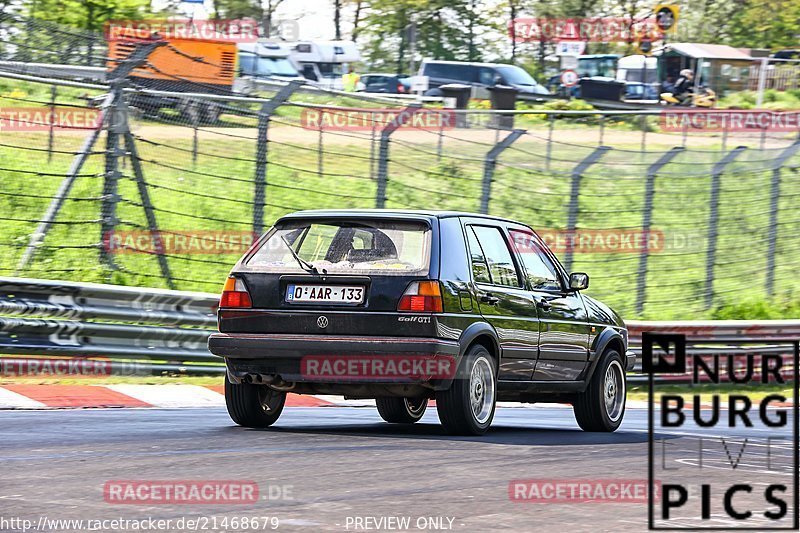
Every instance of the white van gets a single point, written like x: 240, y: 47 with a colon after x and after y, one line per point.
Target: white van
x: 263, y: 61
x: 324, y: 62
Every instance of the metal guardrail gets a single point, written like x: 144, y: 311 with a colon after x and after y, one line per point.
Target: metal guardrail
x: 139, y: 330
x: 162, y: 329
x: 48, y: 70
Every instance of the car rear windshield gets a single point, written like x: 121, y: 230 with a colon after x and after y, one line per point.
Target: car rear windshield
x: 346, y: 247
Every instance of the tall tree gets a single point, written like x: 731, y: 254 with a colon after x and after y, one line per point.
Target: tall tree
x: 262, y: 11
x: 337, y: 19
x: 359, y: 6
x: 89, y: 15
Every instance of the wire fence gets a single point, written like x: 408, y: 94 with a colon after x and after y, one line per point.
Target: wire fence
x: 129, y: 184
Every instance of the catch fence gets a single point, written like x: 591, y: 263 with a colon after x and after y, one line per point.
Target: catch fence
x: 155, y: 188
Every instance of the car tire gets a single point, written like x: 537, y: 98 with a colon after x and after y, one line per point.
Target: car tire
x: 253, y: 406
x: 401, y: 410
x: 601, y: 406
x: 467, y: 407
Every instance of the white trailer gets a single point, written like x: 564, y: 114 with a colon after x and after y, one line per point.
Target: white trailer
x: 263, y: 61
x: 324, y: 62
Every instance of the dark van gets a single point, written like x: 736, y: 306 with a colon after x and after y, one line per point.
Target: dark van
x: 481, y: 76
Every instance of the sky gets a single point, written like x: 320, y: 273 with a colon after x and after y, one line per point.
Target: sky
x: 314, y: 18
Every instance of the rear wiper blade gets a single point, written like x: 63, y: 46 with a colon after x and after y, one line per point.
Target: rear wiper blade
x: 305, y: 265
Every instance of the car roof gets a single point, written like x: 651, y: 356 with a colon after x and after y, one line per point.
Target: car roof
x: 468, y: 63
x: 392, y: 213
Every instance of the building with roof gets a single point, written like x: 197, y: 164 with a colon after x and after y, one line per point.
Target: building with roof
x: 722, y: 68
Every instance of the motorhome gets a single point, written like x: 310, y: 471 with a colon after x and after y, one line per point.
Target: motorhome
x: 263, y: 61
x: 266, y: 59
x: 324, y: 62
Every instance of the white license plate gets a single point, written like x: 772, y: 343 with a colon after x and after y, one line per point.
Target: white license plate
x: 349, y: 294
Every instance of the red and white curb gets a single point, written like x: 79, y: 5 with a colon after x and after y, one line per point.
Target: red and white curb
x: 162, y: 396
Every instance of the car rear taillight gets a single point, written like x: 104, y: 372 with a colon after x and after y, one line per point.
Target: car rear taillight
x: 234, y: 294
x: 401, y: 88
x: 421, y: 297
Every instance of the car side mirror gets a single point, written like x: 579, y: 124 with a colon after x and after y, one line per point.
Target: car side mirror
x: 578, y: 281
x: 497, y: 80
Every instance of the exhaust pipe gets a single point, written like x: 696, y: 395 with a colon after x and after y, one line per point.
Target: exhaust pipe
x: 258, y: 379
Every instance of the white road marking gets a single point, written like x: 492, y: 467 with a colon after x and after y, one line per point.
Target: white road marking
x: 170, y: 396
x: 12, y: 400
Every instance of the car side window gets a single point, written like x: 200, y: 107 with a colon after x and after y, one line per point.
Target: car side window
x: 539, y: 270
x: 486, y: 76
x: 498, y: 256
x: 480, y: 269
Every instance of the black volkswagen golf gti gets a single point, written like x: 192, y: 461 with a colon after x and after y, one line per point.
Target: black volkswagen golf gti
x: 407, y: 306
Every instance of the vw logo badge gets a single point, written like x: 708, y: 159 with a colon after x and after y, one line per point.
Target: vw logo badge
x: 322, y: 322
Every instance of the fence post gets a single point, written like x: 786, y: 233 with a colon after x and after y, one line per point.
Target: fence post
x: 775, y: 192
x: 574, y: 197
x: 115, y: 128
x: 602, y: 130
x: 116, y: 124
x: 320, y: 152
x: 372, y: 149
x: 383, y: 153
x: 134, y: 60
x: 194, y: 112
x: 37, y: 237
x: 260, y: 178
x: 51, y: 132
x: 439, y: 142
x: 649, y: 192
x: 489, y: 165
x: 713, y: 220
x: 549, y: 150
x: 644, y: 125
x: 147, y: 204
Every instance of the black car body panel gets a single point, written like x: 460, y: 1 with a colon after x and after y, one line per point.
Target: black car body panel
x: 546, y: 339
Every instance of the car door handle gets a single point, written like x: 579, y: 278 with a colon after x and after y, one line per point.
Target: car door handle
x: 490, y: 299
x: 544, y: 304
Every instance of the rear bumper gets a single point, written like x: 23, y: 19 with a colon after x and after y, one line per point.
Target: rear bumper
x: 341, y: 359
x: 631, y: 360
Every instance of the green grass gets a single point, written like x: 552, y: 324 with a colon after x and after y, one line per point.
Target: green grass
x: 214, y: 193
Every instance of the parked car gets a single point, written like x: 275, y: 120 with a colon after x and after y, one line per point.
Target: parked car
x: 481, y: 76
x: 481, y: 297
x: 384, y: 83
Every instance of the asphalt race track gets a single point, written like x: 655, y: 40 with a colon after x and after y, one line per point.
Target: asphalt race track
x: 323, y: 469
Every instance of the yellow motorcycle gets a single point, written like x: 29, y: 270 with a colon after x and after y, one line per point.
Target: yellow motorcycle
x: 704, y: 97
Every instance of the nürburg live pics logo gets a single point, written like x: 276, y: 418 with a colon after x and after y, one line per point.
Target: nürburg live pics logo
x: 723, y: 432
